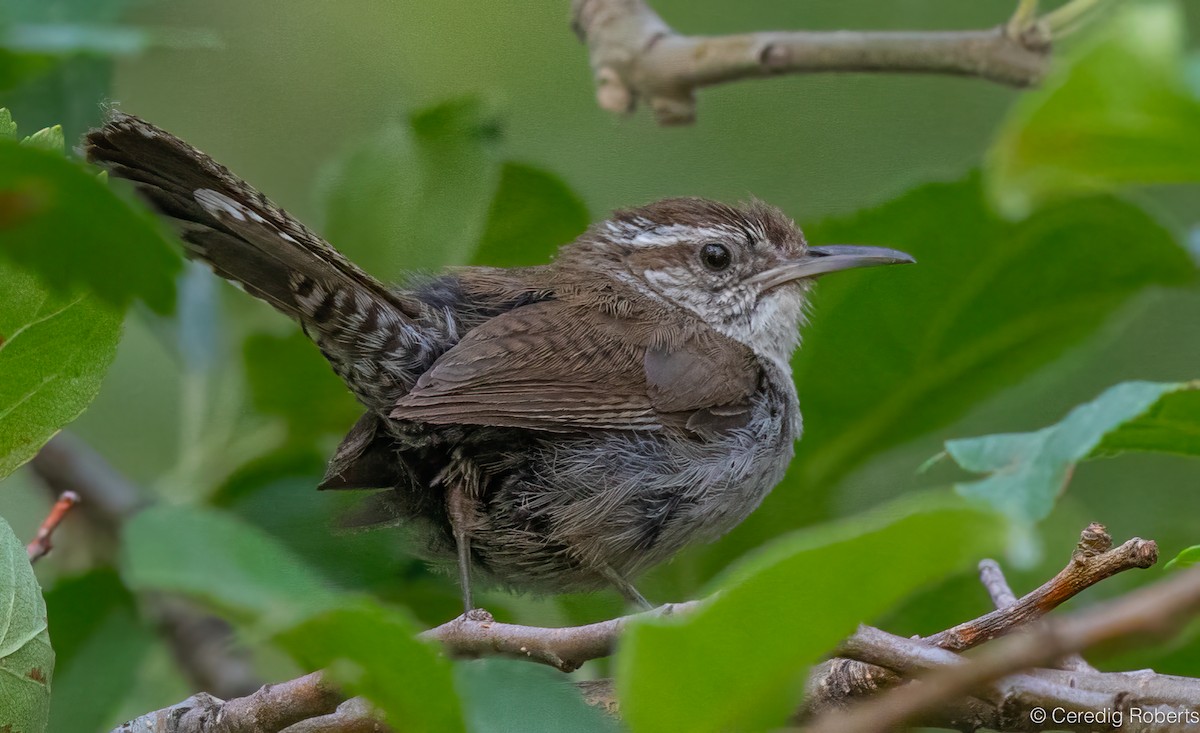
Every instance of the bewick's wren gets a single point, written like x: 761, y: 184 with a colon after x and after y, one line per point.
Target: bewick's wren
x: 555, y: 428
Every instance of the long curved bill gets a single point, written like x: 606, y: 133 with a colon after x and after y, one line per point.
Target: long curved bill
x: 831, y: 258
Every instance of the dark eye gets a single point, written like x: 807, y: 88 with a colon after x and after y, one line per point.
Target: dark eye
x: 715, y: 256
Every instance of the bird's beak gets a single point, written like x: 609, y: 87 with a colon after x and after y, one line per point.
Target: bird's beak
x: 830, y: 258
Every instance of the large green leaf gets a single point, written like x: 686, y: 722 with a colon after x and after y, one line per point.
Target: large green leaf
x: 532, y: 213
x: 61, y: 221
x: 503, y: 695
x: 373, y: 652
x: 212, y: 556
x: 54, y: 351
x: 739, y: 662
x: 1117, y: 112
x: 1030, y: 470
x: 892, y: 354
x: 413, y: 196
x: 26, y: 659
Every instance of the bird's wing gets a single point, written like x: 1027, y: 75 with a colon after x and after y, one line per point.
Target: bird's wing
x: 561, y: 367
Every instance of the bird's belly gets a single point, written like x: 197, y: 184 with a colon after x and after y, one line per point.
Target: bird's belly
x: 630, y: 500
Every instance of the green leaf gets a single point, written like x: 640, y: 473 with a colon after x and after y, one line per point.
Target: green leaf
x: 26, y: 659
x: 59, y: 220
x: 739, y: 662
x: 532, y: 213
x: 1118, y: 112
x: 502, y: 695
x: 212, y: 556
x: 54, y: 351
x: 895, y: 353
x: 413, y: 196
x: 1185, y: 559
x: 1029, y: 471
x: 288, y: 377
x: 373, y: 651
x: 47, y: 138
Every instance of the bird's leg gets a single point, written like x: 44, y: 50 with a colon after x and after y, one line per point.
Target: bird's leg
x: 459, y: 510
x: 624, y: 587
x: 464, y: 484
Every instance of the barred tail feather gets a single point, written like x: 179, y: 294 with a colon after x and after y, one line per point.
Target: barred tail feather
x: 246, y: 239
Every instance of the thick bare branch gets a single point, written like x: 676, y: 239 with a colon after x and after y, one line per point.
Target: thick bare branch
x: 272, y: 708
x: 636, y: 56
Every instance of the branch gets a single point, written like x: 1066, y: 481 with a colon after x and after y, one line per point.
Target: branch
x: 635, y: 55
x: 272, y: 708
x: 1093, y: 560
x: 40, y: 546
x: 1157, y: 610
x: 476, y: 634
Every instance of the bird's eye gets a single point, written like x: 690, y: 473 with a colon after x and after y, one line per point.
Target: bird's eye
x: 715, y: 256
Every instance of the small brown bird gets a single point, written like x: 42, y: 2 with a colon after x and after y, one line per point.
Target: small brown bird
x: 554, y: 428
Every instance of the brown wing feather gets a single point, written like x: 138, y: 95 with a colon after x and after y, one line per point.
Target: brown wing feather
x: 560, y: 367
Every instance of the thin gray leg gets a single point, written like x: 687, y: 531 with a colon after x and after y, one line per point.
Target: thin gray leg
x: 625, y: 588
x: 458, y: 510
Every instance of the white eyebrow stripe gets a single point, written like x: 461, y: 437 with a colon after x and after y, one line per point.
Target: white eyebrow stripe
x: 669, y: 234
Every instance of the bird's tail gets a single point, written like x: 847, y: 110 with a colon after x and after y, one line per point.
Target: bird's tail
x: 248, y: 240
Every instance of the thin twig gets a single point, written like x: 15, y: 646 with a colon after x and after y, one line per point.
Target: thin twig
x: 1094, y: 560
x: 997, y: 587
x: 635, y: 55
x: 40, y: 545
x: 476, y: 634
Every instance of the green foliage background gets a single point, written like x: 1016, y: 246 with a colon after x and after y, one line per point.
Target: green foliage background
x: 1057, y: 231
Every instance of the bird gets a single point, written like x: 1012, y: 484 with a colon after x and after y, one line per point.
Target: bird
x: 551, y: 428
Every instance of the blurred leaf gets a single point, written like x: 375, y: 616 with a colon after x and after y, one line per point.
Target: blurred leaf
x: 413, y: 196
x: 504, y: 695
x: 532, y: 213
x: 1171, y: 425
x: 47, y: 138
x: 277, y: 493
x: 373, y: 652
x: 54, y: 351
x: 58, y: 219
x: 892, y: 354
x: 99, y: 646
x: 26, y: 659
x: 1185, y: 559
x: 1118, y: 112
x: 61, y: 39
x: 739, y: 663
x: 288, y: 377
x: 211, y: 556
x: 1030, y: 470
x: 90, y: 11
